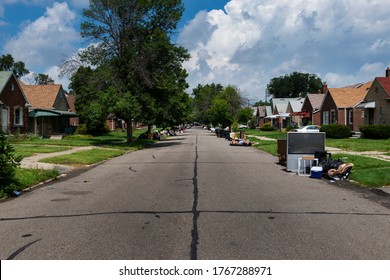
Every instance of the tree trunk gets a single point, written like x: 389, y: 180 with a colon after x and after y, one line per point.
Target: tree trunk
x: 129, y: 125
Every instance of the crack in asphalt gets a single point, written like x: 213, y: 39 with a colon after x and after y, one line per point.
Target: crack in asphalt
x: 195, y: 212
x: 20, y: 250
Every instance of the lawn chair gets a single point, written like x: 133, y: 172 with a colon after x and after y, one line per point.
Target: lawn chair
x: 341, y: 173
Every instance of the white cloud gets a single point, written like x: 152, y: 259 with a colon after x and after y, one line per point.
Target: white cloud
x: 47, y: 40
x: 252, y: 41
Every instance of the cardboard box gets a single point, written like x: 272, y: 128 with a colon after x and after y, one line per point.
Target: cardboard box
x: 316, y: 172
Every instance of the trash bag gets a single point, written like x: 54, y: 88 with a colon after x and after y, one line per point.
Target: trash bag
x: 330, y: 163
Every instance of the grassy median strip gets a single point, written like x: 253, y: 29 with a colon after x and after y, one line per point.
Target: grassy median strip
x: 367, y: 171
x: 84, y: 157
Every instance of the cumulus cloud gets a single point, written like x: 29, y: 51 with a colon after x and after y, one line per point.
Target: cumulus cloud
x: 47, y: 40
x: 250, y: 42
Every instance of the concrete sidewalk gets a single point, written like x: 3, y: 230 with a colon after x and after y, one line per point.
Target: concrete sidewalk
x: 33, y: 161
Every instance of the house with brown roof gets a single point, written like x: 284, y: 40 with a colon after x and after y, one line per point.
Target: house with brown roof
x: 13, y: 104
x: 311, y: 108
x: 376, y: 104
x: 49, y: 112
x: 73, y: 121
x: 340, y: 106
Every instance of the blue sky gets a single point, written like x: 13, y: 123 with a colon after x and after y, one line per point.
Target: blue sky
x: 238, y: 42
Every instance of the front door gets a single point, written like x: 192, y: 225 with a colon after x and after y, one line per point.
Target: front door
x: 4, y: 120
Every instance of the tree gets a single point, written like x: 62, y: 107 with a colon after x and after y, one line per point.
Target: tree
x: 203, y: 96
x: 294, y: 85
x: 7, y: 63
x: 133, y: 45
x: 43, y: 79
x: 234, y: 98
x: 219, y: 113
x: 8, y: 164
x: 262, y: 103
x: 216, y: 104
x: 244, y: 115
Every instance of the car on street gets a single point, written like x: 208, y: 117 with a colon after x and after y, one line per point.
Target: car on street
x: 308, y: 128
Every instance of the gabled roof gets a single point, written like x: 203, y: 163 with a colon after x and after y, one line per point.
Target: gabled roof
x: 263, y: 111
x: 385, y: 83
x: 349, y: 97
x: 315, y: 100
x: 71, y: 101
x: 296, y: 105
x: 4, y: 77
x: 41, y: 96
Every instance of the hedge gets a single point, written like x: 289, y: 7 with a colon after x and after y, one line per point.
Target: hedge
x: 375, y: 131
x: 336, y: 131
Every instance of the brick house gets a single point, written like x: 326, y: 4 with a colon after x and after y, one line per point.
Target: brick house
x: 261, y: 113
x: 294, y: 109
x: 376, y: 105
x: 340, y: 106
x: 49, y: 112
x: 13, y: 104
x: 311, y: 108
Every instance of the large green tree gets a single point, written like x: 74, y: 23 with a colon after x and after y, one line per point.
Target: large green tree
x: 7, y: 63
x: 132, y: 45
x: 296, y: 84
x: 216, y: 104
x: 203, y: 97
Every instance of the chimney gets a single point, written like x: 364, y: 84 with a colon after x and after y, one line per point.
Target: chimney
x: 388, y: 72
x: 324, y: 88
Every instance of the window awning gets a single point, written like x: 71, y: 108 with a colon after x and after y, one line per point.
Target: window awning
x: 281, y: 115
x: 50, y: 113
x: 367, y: 105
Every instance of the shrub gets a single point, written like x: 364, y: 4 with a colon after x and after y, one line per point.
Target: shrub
x: 267, y: 127
x: 375, y: 131
x: 82, y: 129
x: 289, y: 128
x: 336, y: 131
x: 8, y: 164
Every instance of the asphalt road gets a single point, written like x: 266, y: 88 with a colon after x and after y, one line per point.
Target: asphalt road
x: 194, y: 197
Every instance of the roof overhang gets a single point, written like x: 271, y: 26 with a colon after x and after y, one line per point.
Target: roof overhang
x: 367, y: 105
x: 35, y: 113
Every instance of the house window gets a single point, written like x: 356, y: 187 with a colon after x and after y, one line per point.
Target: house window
x: 332, y: 117
x: 325, y: 117
x: 381, y: 111
x: 18, y: 113
x: 350, y: 116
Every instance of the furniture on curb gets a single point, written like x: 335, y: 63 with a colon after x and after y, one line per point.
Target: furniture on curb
x: 302, y: 161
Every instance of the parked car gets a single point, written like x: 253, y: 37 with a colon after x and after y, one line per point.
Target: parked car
x: 242, y: 126
x: 308, y: 128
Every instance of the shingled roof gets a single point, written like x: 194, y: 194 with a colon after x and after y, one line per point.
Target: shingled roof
x: 41, y: 96
x: 315, y: 100
x: 349, y: 97
x: 385, y: 83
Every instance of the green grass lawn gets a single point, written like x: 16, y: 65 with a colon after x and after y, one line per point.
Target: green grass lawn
x: 110, y: 139
x: 30, y: 150
x: 84, y: 157
x: 270, y: 134
x: 359, y: 144
x: 264, y: 145
x: 28, y: 177
x: 367, y: 171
